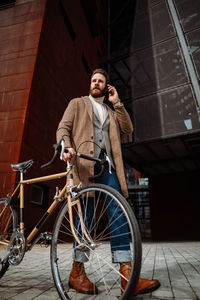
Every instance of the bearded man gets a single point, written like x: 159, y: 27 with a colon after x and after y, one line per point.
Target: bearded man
x: 89, y: 122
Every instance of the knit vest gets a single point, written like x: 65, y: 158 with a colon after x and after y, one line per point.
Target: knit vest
x: 101, y: 134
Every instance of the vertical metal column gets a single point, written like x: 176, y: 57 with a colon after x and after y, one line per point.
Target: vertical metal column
x: 109, y: 37
x: 184, y: 47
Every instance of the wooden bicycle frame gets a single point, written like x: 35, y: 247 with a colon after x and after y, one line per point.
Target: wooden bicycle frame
x: 65, y: 191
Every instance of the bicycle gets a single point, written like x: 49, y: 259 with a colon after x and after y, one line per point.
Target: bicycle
x: 72, y: 232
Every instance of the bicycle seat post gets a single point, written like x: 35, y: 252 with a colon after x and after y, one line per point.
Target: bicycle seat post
x: 21, y: 201
x: 21, y: 175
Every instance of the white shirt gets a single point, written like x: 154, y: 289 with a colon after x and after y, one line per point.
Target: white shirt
x: 98, y: 102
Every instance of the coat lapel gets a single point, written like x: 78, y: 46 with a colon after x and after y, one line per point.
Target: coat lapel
x: 110, y: 115
x: 88, y: 106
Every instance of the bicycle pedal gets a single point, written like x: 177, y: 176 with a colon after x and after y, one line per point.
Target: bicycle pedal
x: 47, y: 238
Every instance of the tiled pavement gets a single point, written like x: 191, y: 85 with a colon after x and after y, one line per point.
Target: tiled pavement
x: 176, y: 265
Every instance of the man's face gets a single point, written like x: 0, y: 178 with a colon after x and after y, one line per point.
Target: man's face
x: 98, y: 85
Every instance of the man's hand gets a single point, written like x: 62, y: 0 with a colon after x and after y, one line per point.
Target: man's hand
x: 113, y: 95
x: 70, y: 156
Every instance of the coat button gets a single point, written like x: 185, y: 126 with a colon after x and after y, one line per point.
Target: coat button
x: 100, y: 141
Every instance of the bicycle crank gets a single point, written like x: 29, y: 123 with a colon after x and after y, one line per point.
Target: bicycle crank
x: 16, y: 248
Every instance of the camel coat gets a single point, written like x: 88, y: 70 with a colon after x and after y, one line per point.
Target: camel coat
x: 77, y: 130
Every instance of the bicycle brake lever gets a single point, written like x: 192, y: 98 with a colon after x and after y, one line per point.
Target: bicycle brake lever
x: 109, y: 164
x: 63, y: 149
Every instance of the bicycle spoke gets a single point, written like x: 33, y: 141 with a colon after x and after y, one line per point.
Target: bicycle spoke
x: 110, y: 226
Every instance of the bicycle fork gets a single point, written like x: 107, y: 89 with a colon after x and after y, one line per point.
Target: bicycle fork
x: 71, y: 204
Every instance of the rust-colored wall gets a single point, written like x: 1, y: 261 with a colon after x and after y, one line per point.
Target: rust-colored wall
x: 20, y: 28
x: 46, y: 53
x: 59, y: 76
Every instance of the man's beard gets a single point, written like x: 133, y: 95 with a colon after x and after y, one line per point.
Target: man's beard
x: 97, y: 93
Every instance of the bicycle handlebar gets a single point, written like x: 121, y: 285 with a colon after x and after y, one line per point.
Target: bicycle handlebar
x: 101, y: 161
x: 55, y: 156
x: 59, y: 149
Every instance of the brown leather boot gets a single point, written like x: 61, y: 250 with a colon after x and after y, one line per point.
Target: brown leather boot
x: 143, y: 286
x: 125, y: 270
x: 78, y: 280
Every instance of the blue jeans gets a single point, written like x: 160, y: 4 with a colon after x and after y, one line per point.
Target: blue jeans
x: 119, y: 237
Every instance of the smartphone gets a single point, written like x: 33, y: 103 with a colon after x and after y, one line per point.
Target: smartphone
x: 106, y: 101
x: 107, y: 92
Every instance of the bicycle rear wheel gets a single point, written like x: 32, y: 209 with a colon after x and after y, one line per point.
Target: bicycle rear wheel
x: 8, y: 223
x: 98, y: 266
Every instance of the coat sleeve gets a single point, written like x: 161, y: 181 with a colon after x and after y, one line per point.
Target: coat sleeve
x: 66, y: 125
x: 123, y: 118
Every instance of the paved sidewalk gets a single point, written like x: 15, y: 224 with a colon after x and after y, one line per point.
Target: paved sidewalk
x: 176, y: 265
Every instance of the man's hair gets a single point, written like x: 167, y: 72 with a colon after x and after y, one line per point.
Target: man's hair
x: 103, y: 72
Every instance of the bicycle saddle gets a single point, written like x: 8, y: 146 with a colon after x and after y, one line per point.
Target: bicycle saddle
x: 22, y: 167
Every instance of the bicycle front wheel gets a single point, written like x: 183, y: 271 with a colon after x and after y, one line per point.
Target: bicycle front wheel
x: 8, y: 223
x: 114, y: 238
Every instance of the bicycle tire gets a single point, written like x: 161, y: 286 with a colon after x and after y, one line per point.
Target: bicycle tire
x: 108, y: 278
x: 8, y: 225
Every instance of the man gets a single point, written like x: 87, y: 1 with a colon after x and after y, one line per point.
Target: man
x: 88, y: 120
